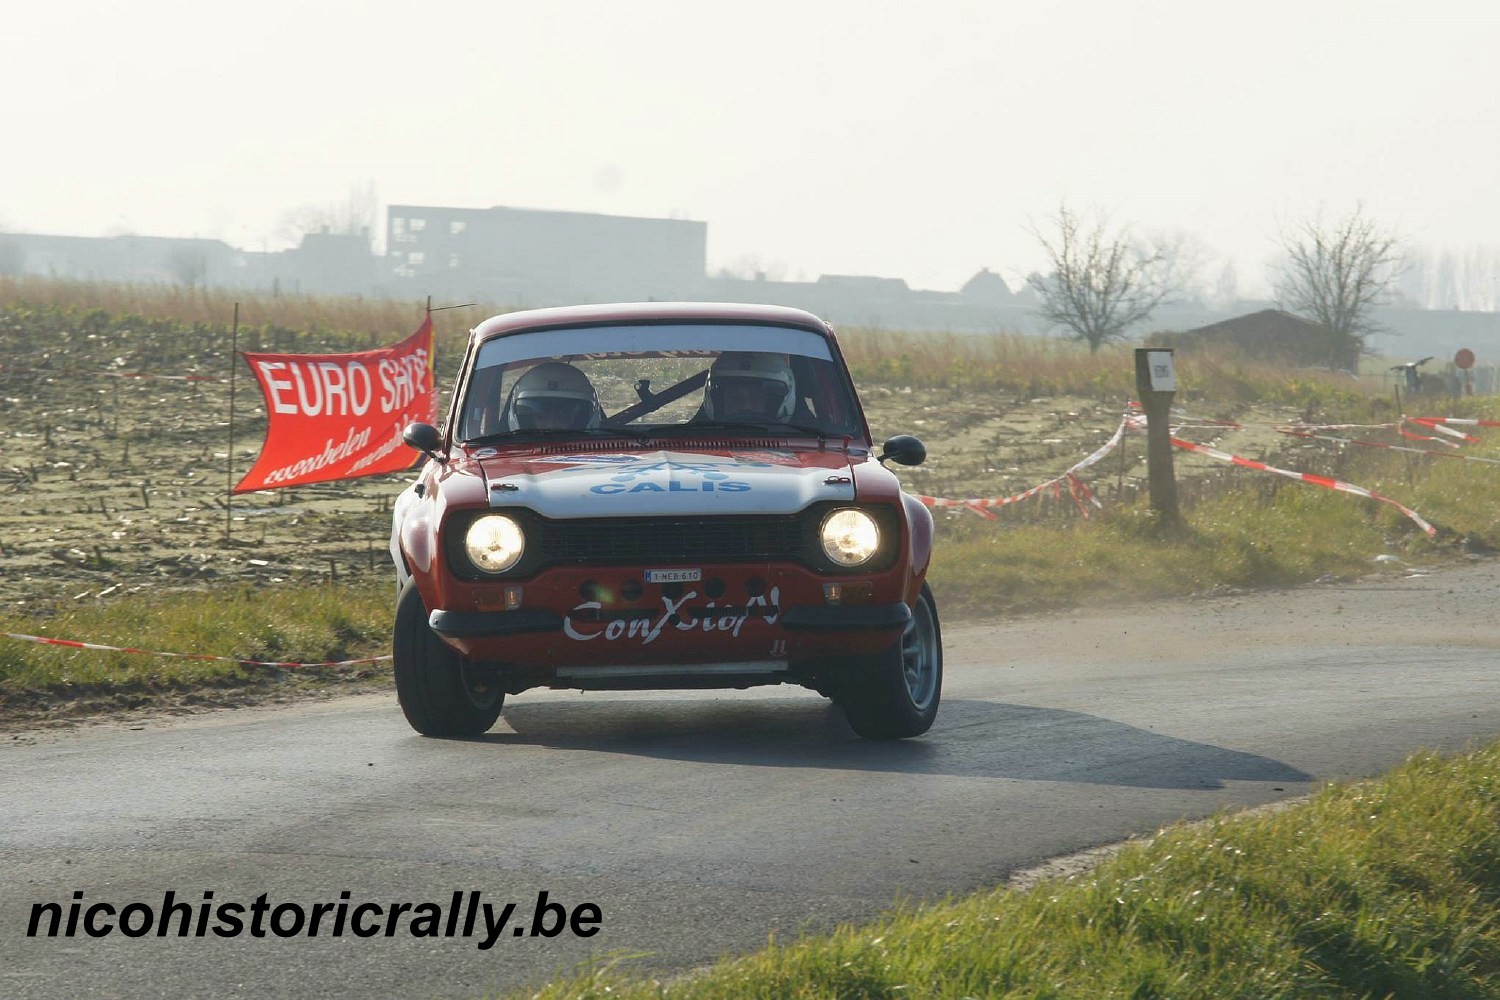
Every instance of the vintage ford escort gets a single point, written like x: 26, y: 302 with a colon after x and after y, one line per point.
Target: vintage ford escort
x: 661, y: 496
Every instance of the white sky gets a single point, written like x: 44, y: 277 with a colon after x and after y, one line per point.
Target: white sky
x: 822, y: 136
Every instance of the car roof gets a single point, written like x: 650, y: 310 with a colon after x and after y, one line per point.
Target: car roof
x: 623, y: 313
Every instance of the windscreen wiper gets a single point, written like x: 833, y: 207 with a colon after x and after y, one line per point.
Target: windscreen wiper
x: 807, y: 429
x: 699, y: 426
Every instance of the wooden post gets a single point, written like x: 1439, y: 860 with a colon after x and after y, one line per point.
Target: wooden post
x: 1156, y: 384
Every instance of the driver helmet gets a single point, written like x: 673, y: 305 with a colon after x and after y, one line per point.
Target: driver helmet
x: 553, y: 396
x: 750, y: 382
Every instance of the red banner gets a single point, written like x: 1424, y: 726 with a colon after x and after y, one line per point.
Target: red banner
x: 340, y: 416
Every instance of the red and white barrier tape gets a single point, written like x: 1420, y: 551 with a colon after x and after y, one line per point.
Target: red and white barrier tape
x: 1306, y: 477
x: 1437, y: 424
x: 982, y: 505
x: 1439, y: 428
x: 1293, y: 432
x: 73, y: 644
x: 1460, y: 421
x: 1079, y: 492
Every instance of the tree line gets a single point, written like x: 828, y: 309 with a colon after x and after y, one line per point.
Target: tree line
x: 1106, y: 279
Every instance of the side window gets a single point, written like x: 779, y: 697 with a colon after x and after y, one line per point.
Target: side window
x: 822, y: 393
x: 810, y: 396
x: 483, y: 410
x: 807, y: 386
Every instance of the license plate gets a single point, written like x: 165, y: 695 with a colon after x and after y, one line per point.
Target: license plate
x: 673, y: 575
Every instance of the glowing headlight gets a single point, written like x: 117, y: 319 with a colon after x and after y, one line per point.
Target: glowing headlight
x: 850, y: 537
x: 494, y: 543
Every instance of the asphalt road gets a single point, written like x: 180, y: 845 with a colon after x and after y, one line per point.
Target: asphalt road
x: 700, y: 823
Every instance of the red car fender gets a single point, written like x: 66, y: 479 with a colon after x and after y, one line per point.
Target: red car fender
x: 458, y: 484
x: 874, y: 483
x: 919, y: 541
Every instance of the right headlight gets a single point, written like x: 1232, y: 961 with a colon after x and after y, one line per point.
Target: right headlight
x: 494, y: 543
x: 850, y: 537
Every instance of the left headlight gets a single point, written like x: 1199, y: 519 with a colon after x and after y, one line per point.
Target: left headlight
x: 494, y: 543
x: 850, y: 537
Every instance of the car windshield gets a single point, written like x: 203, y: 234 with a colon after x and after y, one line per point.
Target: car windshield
x: 667, y: 380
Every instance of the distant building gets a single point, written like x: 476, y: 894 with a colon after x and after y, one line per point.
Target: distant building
x: 866, y: 285
x: 324, y: 263
x: 127, y: 258
x: 521, y: 254
x: 1272, y: 335
x: 987, y: 286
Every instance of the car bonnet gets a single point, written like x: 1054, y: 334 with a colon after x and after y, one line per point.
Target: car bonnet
x: 657, y: 482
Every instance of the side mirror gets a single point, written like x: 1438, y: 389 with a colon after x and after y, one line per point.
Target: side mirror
x: 903, y: 449
x: 425, y: 438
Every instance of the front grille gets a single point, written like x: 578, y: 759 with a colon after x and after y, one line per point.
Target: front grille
x: 659, y: 540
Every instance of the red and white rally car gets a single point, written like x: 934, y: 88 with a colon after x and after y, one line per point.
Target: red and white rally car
x: 661, y: 496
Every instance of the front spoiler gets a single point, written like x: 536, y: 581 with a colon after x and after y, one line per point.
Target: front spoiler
x: 846, y: 618
x: 483, y: 624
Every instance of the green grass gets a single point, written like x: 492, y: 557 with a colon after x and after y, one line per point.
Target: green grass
x: 1244, y: 539
x: 303, y: 624
x: 1234, y: 540
x: 1385, y: 888
x: 1245, y: 530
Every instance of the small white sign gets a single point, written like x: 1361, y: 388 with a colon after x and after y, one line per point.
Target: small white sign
x: 673, y: 575
x: 1163, y: 372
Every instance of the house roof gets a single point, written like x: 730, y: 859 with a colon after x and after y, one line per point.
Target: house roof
x: 1276, y: 335
x: 1267, y: 322
x: 986, y: 284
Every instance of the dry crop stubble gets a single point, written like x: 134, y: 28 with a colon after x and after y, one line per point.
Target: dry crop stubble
x: 118, y: 485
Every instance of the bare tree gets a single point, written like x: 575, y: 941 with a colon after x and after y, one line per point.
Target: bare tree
x: 355, y: 216
x: 1226, y: 287
x: 1337, y: 273
x: 1467, y: 278
x: 189, y: 266
x: 1182, y: 257
x: 1102, y: 283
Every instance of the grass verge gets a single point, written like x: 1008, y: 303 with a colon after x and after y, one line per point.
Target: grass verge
x: 304, y: 624
x: 1253, y: 531
x: 1384, y: 888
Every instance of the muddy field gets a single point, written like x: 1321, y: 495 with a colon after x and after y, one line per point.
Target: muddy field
x: 115, y: 467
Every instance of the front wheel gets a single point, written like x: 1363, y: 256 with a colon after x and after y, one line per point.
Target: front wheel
x: 897, y: 696
x: 441, y: 693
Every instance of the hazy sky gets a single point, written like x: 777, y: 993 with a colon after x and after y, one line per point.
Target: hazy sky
x: 847, y: 136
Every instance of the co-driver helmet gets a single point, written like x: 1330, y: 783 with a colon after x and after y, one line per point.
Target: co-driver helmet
x: 750, y: 383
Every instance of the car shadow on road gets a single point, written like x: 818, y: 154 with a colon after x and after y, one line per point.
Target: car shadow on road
x: 971, y: 739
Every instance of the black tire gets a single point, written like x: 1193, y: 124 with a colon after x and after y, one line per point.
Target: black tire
x: 897, y: 696
x: 440, y: 693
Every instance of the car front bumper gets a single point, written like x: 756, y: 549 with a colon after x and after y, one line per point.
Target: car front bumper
x: 826, y: 618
